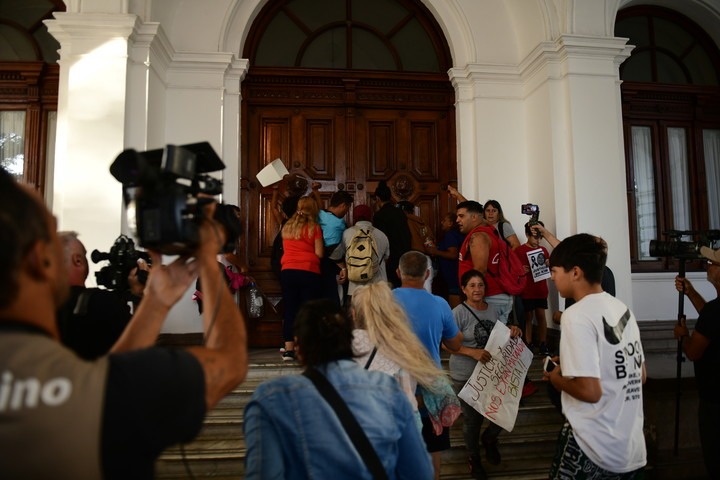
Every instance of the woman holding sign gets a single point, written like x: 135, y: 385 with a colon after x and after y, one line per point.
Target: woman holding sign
x: 475, y: 318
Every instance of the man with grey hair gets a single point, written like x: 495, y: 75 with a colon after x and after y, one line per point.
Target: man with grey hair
x: 432, y: 320
x: 75, y: 258
x: 92, y: 319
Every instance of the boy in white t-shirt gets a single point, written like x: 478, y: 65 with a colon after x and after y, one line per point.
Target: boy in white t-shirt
x: 600, y: 371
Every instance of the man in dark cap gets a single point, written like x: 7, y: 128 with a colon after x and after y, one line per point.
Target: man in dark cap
x: 393, y: 222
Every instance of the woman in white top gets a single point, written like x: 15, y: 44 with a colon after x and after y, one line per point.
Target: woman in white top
x: 381, y: 322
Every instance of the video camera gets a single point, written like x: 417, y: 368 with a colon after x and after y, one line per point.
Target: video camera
x: 123, y: 258
x: 684, y: 250
x: 534, y: 212
x: 165, y: 191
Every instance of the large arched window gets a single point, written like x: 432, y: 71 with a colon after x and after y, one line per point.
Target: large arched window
x: 28, y: 88
x: 348, y: 34
x: 671, y: 118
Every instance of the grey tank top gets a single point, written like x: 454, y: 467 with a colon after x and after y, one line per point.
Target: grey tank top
x: 51, y: 405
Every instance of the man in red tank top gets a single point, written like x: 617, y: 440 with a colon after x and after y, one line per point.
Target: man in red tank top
x: 480, y: 251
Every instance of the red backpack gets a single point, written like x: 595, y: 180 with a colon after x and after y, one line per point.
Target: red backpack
x: 511, y: 276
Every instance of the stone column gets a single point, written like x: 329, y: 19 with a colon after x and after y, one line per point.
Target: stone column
x: 92, y: 112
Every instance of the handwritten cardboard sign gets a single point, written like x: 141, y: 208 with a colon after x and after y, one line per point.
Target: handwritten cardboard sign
x: 536, y: 259
x: 495, y: 387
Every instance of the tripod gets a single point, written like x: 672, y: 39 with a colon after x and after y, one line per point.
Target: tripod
x: 679, y: 359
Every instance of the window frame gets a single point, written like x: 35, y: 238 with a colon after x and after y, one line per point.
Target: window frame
x: 31, y: 86
x: 661, y: 107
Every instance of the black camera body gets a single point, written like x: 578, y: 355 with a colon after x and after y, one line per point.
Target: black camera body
x: 165, y: 191
x: 534, y: 212
x: 680, y: 249
x: 123, y: 258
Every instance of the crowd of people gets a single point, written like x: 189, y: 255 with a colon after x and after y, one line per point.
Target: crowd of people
x: 361, y: 318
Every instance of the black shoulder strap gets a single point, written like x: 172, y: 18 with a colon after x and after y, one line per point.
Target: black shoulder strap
x: 476, y: 317
x: 348, y: 421
x: 502, y: 234
x: 369, y: 360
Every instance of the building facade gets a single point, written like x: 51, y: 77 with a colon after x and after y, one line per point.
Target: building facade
x: 537, y: 114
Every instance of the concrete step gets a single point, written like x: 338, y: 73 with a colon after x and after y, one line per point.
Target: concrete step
x: 219, y: 450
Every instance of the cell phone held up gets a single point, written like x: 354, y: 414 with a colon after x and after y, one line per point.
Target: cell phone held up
x: 534, y: 212
x: 549, y: 365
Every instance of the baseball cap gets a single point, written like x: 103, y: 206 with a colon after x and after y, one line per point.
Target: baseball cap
x: 362, y: 212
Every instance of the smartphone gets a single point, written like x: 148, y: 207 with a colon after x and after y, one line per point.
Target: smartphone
x: 529, y: 209
x: 549, y: 364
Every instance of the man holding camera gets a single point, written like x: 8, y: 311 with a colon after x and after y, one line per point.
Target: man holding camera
x: 92, y: 319
x: 702, y: 346
x: 65, y: 417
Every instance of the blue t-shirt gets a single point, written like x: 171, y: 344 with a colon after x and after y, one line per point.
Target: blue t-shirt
x: 332, y: 228
x: 430, y: 316
x: 449, y: 268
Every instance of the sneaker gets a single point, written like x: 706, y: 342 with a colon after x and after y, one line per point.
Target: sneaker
x: 544, y: 349
x: 528, y: 389
x: 288, y: 356
x: 492, y: 454
x: 476, y: 469
x: 282, y: 349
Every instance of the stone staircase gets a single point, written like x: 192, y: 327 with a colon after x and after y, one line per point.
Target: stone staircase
x: 219, y: 450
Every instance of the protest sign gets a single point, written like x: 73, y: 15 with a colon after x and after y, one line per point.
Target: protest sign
x: 494, y: 389
x: 536, y: 259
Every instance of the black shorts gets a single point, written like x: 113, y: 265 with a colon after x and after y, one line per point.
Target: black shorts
x: 435, y: 443
x: 530, y: 304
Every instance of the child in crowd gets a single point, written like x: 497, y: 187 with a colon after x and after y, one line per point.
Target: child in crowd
x: 600, y: 370
x: 447, y: 251
x: 534, y: 297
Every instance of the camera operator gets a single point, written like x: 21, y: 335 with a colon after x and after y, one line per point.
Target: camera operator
x: 92, y: 319
x: 703, y: 348
x: 64, y: 417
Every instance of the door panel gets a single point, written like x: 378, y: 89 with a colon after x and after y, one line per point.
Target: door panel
x: 347, y: 148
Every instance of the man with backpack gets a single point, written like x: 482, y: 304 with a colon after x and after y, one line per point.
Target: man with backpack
x: 485, y: 251
x: 363, y: 251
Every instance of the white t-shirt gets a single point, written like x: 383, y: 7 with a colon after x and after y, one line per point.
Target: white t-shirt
x: 601, y: 339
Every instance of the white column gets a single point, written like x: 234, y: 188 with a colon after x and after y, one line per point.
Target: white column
x: 231, y: 130
x: 576, y: 130
x: 465, y: 132
x: 92, y: 106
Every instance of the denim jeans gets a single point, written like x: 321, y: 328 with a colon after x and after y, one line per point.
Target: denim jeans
x: 472, y: 421
x: 503, y: 304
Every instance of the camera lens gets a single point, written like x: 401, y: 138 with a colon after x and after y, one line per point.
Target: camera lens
x: 660, y: 248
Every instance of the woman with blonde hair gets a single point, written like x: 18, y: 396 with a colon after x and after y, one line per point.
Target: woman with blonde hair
x: 300, y: 274
x: 384, y: 340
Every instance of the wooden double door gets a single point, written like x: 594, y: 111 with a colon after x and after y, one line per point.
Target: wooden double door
x: 344, y: 145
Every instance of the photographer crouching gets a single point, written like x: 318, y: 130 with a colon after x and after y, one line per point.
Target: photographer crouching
x: 702, y: 346
x: 63, y: 417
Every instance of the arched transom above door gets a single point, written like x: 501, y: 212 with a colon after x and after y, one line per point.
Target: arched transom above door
x: 348, y: 34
